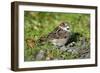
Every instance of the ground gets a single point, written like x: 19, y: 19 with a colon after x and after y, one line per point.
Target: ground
x: 39, y: 24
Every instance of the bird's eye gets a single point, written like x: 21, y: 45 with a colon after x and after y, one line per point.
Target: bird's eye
x: 67, y: 28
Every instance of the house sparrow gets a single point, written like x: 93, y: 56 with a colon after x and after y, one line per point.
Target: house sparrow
x: 60, y: 35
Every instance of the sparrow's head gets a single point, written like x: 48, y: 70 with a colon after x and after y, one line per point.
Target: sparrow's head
x: 65, y: 27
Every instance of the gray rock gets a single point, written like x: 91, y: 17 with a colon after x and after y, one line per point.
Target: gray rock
x: 84, y: 53
x: 63, y: 48
x: 87, y: 55
x: 40, y: 55
x: 73, y: 50
x: 72, y: 44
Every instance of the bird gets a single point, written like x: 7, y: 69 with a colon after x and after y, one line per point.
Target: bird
x: 60, y: 35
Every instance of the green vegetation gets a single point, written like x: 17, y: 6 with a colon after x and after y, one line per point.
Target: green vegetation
x: 39, y: 24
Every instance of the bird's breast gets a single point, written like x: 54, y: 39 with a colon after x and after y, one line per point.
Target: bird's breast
x: 59, y: 42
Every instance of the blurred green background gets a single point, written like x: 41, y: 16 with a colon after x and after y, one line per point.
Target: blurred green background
x: 37, y: 24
